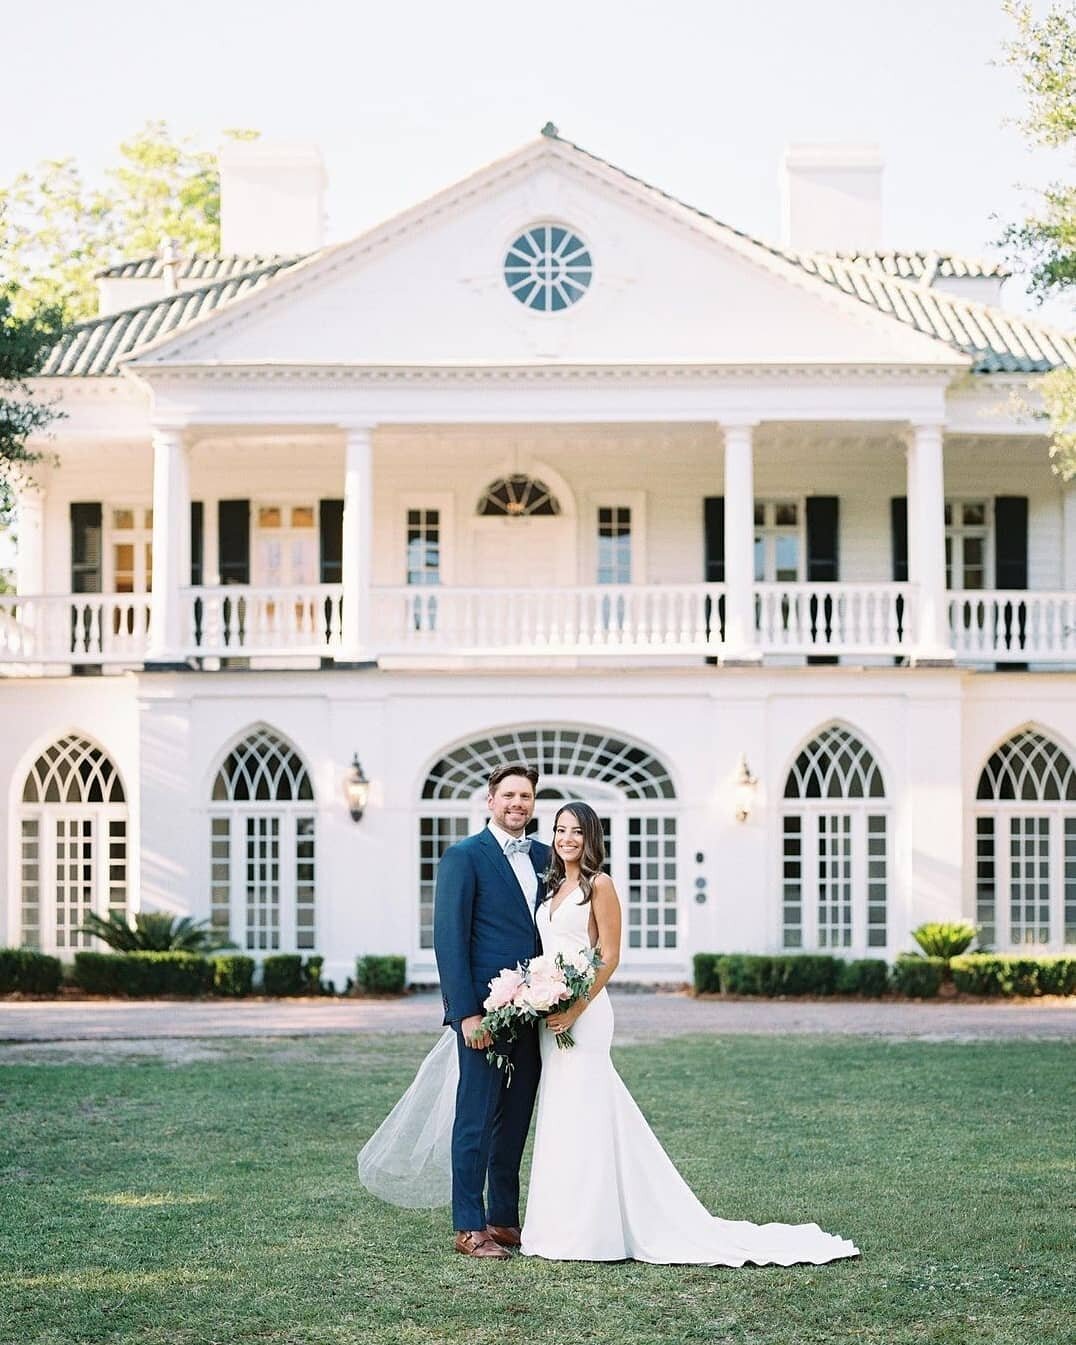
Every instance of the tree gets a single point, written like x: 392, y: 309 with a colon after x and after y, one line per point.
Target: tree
x: 25, y: 342
x: 57, y: 231
x: 1043, y: 52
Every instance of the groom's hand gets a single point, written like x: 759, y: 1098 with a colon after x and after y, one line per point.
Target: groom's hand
x: 468, y: 1027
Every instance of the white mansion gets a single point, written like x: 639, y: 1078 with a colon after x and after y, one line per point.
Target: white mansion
x: 750, y: 545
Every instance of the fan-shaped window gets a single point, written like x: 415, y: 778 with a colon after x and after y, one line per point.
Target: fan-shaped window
x: 73, y: 770
x: 262, y: 769
x: 835, y: 765
x: 518, y: 497
x: 72, y: 856
x: 1028, y: 767
x: 835, y: 847
x: 1025, y: 845
x: 548, y: 268
x: 628, y: 785
x: 637, y: 773
x: 262, y: 847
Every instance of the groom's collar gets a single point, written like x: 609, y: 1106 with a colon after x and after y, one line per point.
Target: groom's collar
x: 499, y: 834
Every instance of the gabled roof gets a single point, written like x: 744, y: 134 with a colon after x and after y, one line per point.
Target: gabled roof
x: 894, y: 284
x: 202, y: 267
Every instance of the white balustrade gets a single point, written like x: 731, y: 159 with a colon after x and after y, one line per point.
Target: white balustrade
x: 598, y: 620
x: 1012, y: 626
x: 238, y: 621
x: 84, y: 628
x: 833, y: 618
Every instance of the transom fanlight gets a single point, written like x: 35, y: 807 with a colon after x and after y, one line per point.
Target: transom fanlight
x: 561, y: 752
x: 835, y: 765
x: 548, y: 268
x: 262, y: 769
x: 1028, y: 767
x: 518, y: 497
x: 73, y: 770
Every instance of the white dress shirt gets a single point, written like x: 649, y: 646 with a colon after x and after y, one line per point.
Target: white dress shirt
x: 521, y: 864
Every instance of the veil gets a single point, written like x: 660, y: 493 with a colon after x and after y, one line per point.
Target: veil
x: 407, y: 1161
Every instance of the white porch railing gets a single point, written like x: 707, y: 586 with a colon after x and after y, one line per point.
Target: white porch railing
x: 605, y: 619
x: 1013, y: 626
x: 833, y: 618
x: 86, y: 628
x: 239, y: 621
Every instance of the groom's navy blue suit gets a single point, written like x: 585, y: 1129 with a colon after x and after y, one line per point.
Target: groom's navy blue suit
x: 482, y: 924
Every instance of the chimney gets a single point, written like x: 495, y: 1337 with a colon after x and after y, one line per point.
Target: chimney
x: 831, y: 198
x: 272, y: 198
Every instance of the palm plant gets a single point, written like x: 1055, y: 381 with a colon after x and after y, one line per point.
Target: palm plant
x: 945, y: 938
x: 155, y: 932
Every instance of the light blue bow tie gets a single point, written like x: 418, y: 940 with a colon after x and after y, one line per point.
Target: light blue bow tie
x: 522, y: 846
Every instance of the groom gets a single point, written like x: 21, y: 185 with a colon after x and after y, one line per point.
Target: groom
x: 487, y: 890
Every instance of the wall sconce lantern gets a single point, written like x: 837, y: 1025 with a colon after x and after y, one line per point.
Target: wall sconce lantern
x: 746, y: 784
x: 356, y: 789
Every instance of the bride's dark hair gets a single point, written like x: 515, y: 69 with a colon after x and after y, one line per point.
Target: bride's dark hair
x: 591, y: 860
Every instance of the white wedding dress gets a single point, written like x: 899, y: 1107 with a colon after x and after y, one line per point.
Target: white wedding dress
x: 601, y: 1186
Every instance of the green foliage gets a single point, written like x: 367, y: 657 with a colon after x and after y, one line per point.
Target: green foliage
x: 991, y: 974
x: 282, y: 974
x: 155, y: 931
x: 143, y: 974
x: 233, y: 975
x: 705, y: 973
x: 381, y: 975
x: 918, y: 977
x: 57, y: 231
x: 26, y: 337
x: 788, y: 974
x: 944, y: 938
x: 312, y: 975
x: 28, y: 972
x: 867, y: 976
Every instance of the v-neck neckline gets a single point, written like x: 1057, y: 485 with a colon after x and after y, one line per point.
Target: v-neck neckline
x: 552, y: 911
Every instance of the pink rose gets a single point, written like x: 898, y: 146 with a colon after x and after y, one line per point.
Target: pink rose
x: 502, y: 989
x: 546, y: 989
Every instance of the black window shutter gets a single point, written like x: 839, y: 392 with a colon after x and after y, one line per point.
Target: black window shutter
x: 233, y: 544
x: 86, y: 548
x: 331, y: 537
x: 197, y: 543
x: 1010, y: 541
x: 714, y: 532
x: 822, y: 554
x: 898, y: 537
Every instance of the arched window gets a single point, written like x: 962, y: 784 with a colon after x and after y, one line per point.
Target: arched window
x: 835, y: 847
x: 262, y: 847
x: 73, y: 844
x: 1025, y: 845
x: 518, y: 497
x: 628, y: 786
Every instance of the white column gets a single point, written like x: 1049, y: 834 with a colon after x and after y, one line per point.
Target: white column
x: 357, y: 544
x: 741, y: 644
x: 171, y: 545
x: 926, y: 544
x: 30, y: 530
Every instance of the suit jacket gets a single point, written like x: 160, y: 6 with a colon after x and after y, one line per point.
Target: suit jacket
x: 482, y: 922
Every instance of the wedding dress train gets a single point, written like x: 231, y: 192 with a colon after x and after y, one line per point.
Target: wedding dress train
x: 601, y: 1186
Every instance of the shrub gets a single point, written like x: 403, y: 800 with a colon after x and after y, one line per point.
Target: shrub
x: 705, y: 973
x: 143, y: 974
x: 29, y: 972
x: 992, y: 974
x: 866, y: 976
x: 312, y: 975
x: 788, y: 974
x: 944, y: 938
x: 155, y: 932
x: 233, y: 975
x: 381, y: 975
x: 282, y: 974
x: 917, y: 977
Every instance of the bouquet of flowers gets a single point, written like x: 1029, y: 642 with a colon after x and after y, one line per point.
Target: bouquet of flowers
x: 531, y: 991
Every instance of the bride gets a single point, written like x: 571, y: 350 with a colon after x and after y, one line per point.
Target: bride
x: 601, y: 1186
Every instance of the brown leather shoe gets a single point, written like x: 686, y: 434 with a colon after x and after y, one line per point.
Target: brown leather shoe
x: 479, y: 1243
x: 505, y: 1236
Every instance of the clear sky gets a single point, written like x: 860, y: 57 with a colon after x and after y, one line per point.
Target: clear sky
x: 406, y: 96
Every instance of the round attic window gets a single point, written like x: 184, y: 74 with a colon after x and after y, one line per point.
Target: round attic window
x: 548, y: 268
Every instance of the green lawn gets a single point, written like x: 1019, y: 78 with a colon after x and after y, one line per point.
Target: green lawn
x: 215, y: 1201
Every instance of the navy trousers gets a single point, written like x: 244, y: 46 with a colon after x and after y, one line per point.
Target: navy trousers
x: 490, y: 1131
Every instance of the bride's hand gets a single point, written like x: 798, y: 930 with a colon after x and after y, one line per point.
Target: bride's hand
x: 563, y: 1021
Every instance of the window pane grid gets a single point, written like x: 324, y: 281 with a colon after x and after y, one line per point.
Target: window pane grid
x: 614, y: 545
x: 263, y: 883
x: 435, y: 835
x: 1029, y: 880
x: 652, y: 905
x: 220, y: 874
x: 985, y: 880
x: 30, y: 879
x: 877, y: 879
x: 835, y: 880
x: 74, y: 879
x: 792, y: 883
x: 1070, y: 880
x: 304, y: 883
